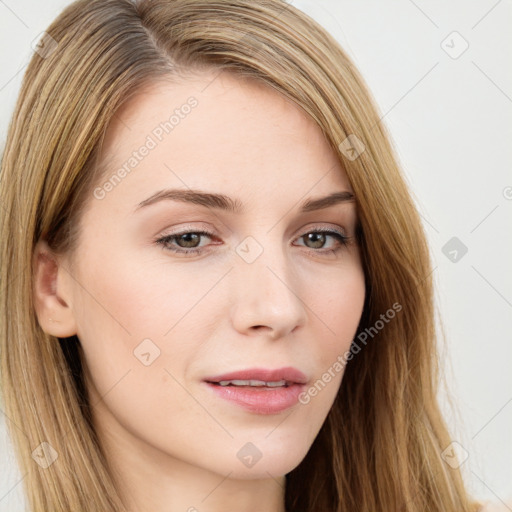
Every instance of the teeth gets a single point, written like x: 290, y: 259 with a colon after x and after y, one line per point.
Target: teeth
x: 255, y: 383
x: 276, y: 384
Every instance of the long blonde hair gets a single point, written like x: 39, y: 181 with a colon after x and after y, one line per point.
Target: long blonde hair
x: 380, y: 446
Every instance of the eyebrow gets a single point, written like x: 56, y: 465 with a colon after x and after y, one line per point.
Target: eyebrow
x: 223, y: 202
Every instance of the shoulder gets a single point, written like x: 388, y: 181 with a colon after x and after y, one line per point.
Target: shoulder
x: 496, y: 506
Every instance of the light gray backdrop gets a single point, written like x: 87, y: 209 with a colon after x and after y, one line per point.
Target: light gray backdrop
x: 440, y: 72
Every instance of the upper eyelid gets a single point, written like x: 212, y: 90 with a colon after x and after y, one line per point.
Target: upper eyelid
x: 212, y: 232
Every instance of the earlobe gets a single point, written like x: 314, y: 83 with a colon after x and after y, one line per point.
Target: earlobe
x: 52, y: 307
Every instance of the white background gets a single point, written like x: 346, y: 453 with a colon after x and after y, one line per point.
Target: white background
x: 450, y: 119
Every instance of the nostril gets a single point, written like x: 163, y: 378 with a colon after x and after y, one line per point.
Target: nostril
x: 260, y: 327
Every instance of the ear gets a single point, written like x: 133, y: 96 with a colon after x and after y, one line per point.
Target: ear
x: 51, y: 296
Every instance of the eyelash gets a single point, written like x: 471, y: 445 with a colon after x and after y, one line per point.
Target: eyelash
x: 343, y: 240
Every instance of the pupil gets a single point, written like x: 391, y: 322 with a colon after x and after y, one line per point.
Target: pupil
x: 186, y: 238
x: 320, y: 238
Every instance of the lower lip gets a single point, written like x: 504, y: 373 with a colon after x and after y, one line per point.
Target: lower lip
x: 261, y: 400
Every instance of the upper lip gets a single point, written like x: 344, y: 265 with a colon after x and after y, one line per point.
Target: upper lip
x: 288, y: 373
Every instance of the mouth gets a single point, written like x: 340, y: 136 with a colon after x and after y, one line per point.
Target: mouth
x: 261, y: 400
x: 255, y: 384
x: 260, y: 391
x: 259, y: 377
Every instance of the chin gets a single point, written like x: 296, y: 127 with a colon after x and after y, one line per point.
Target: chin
x: 263, y: 470
x: 266, y: 457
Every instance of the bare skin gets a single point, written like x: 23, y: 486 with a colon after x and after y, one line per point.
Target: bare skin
x: 175, y: 444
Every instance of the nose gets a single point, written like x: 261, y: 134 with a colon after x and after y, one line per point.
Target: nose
x: 266, y: 296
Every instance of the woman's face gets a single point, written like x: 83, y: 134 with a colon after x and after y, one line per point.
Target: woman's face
x: 156, y: 319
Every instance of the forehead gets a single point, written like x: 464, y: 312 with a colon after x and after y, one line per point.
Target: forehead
x: 220, y: 132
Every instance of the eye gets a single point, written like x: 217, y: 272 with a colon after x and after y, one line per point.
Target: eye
x: 318, y: 238
x: 188, y: 242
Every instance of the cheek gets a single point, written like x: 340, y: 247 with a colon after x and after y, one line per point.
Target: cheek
x: 339, y: 309
x: 336, y: 310
x: 135, y: 371
x: 138, y: 298
x: 335, y: 305
x: 145, y: 318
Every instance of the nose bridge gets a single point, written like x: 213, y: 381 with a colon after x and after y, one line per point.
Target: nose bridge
x: 266, y: 291
x: 260, y: 257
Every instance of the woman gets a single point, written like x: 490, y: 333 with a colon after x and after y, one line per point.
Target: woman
x: 187, y: 171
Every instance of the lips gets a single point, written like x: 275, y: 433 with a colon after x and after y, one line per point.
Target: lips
x: 289, y: 374
x: 259, y: 390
